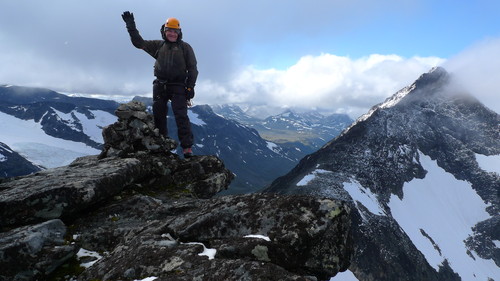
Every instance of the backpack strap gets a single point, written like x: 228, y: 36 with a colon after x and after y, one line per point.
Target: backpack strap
x: 158, y: 50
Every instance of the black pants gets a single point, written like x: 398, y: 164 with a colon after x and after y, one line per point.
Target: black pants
x: 162, y: 93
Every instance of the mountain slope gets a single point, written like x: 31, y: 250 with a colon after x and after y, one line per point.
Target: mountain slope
x: 403, y: 165
x: 52, y: 129
x: 12, y: 164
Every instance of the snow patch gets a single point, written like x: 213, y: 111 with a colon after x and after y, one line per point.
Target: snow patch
x: 389, y: 102
x: 363, y: 196
x: 445, y: 209
x: 311, y: 176
x: 3, y: 158
x: 210, y: 253
x: 258, y: 236
x: 195, y: 118
x: 392, y: 101
x: 86, y: 253
x: 489, y: 163
x: 147, y: 279
x: 344, y: 276
x: 93, y: 127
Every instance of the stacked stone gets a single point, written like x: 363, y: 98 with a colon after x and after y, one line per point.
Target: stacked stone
x: 134, y: 131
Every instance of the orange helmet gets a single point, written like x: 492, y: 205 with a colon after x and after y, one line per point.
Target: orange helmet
x: 173, y: 23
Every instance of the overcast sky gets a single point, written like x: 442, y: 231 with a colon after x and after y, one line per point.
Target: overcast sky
x: 340, y: 56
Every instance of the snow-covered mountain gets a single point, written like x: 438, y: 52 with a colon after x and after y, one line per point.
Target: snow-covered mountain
x: 51, y: 129
x: 306, y: 132
x: 422, y: 171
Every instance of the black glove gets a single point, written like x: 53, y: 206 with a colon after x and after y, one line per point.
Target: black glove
x: 189, y: 93
x: 128, y: 18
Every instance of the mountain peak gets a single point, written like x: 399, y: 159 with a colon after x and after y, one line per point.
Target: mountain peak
x: 434, y: 75
x: 428, y: 136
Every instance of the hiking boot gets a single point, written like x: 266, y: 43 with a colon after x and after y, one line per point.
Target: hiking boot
x: 188, y: 152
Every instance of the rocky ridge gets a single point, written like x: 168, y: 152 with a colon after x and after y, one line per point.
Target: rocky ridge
x: 138, y: 210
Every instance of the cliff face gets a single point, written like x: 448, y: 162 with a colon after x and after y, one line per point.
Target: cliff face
x: 138, y: 211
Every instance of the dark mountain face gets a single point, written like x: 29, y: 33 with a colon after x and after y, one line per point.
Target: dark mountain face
x: 382, y: 152
x: 45, y: 107
x: 12, y: 164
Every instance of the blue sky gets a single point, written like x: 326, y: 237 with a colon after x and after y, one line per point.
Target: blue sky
x: 346, y: 55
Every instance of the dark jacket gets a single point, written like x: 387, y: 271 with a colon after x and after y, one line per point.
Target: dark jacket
x: 175, y: 61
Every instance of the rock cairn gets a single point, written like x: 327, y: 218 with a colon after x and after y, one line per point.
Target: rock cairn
x: 134, y: 131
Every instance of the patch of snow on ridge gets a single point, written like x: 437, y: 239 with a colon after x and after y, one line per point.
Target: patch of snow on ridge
x: 272, y: 146
x: 344, y: 276
x: 364, y: 196
x: 446, y: 209
x: 210, y: 253
x: 389, y: 102
x: 147, y: 279
x: 195, y: 118
x: 309, y: 177
x: 258, y: 236
x: 489, y: 163
x: 93, y: 127
x: 82, y: 253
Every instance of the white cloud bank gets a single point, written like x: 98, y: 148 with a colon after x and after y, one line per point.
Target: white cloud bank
x: 328, y: 82
x: 478, y: 70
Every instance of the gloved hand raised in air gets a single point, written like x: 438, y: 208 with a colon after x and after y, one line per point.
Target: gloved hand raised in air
x: 128, y: 18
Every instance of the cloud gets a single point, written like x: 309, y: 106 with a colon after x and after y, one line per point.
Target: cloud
x: 326, y: 82
x: 477, y: 70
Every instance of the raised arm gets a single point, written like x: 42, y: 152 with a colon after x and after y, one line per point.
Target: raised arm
x: 135, y: 37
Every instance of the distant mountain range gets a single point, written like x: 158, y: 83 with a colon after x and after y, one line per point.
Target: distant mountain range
x: 50, y: 129
x: 305, y: 131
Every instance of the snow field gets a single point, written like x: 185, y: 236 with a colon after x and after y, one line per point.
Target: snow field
x: 446, y: 209
x: 27, y: 138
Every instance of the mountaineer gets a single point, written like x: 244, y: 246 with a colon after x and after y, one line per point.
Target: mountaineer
x: 176, y: 72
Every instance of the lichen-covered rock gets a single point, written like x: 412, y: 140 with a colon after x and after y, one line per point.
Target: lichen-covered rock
x: 66, y: 191
x: 253, y: 237
x: 32, y: 251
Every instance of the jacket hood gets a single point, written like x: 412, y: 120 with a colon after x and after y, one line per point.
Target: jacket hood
x: 162, y: 29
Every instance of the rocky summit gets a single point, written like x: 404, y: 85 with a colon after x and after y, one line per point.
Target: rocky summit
x: 138, y: 210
